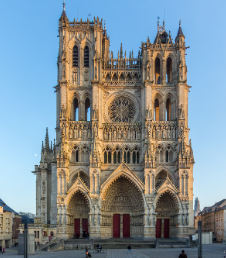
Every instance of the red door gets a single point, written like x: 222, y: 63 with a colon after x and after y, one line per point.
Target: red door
x: 126, y: 225
x: 116, y: 225
x: 158, y: 228
x: 77, y: 227
x: 85, y: 225
x: 166, y: 228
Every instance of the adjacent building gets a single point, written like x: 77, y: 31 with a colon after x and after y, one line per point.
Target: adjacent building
x: 122, y: 163
x: 9, y: 224
x: 213, y: 220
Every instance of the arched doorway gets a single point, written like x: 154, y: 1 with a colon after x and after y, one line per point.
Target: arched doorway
x: 122, y: 210
x: 78, y: 212
x: 167, y: 210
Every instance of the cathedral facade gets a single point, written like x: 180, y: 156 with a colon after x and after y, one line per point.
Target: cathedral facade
x: 122, y: 163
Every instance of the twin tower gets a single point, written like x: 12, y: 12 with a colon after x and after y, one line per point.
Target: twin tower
x: 122, y: 163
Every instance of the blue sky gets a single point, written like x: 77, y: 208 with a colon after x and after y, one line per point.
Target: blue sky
x: 29, y: 49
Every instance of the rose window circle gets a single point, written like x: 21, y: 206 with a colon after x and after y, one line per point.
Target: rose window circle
x: 121, y: 109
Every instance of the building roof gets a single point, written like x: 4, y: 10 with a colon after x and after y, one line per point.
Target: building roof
x: 217, y: 206
x: 6, y: 207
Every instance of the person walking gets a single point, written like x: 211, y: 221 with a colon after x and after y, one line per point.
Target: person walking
x: 87, y: 235
x: 129, y: 249
x: 183, y: 255
x: 87, y: 251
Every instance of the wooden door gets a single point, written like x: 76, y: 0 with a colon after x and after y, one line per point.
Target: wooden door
x: 85, y: 226
x: 126, y: 225
x: 116, y: 225
x: 77, y: 227
x: 158, y: 228
x: 166, y: 228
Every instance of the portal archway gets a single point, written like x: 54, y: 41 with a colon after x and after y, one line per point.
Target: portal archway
x: 78, y: 214
x: 122, y: 210
x: 167, y: 209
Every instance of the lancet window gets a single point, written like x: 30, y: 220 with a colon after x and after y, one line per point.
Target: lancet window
x: 136, y: 156
x: 75, y: 110
x: 169, y: 70
x: 157, y: 71
x: 107, y: 155
x: 168, y: 110
x: 87, y: 110
x: 156, y: 110
x: 126, y: 155
x: 86, y: 56
x: 117, y: 156
x: 75, y: 154
x: 75, y: 56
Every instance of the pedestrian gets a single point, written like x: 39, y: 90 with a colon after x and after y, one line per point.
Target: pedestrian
x: 77, y: 235
x: 183, y: 254
x: 87, y: 251
x: 0, y: 249
x: 87, y: 235
x: 129, y: 249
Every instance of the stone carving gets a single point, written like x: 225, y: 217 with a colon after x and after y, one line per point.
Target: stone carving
x: 75, y: 76
x: 86, y: 75
x: 121, y: 109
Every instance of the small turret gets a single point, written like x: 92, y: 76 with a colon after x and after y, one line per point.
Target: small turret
x: 63, y: 17
x: 180, y: 34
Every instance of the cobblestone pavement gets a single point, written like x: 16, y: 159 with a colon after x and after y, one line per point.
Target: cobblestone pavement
x: 209, y: 251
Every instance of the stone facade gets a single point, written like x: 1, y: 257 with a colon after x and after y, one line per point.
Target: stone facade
x: 6, y: 219
x: 214, y: 220
x: 122, y: 163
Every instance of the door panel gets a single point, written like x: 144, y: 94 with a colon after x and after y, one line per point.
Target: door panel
x: 126, y: 225
x: 116, y: 225
x: 77, y: 227
x: 158, y: 228
x: 166, y: 228
x: 85, y: 225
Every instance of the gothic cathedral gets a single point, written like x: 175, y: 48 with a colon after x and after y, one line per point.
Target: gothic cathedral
x: 122, y: 163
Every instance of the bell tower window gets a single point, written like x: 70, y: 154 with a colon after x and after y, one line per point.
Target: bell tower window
x: 157, y: 71
x: 169, y: 70
x: 75, y: 56
x: 76, y: 110
x: 86, y: 57
x: 87, y: 110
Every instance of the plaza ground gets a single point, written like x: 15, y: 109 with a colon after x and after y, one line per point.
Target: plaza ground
x: 209, y: 251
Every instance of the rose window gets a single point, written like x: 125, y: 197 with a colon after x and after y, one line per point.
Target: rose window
x: 121, y: 110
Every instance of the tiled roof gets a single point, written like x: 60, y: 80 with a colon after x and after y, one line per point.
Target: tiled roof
x: 6, y: 207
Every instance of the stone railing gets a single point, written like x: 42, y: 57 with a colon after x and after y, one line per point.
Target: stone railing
x: 81, y: 130
x: 122, y: 132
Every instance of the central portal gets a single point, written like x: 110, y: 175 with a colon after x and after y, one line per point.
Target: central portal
x: 122, y: 210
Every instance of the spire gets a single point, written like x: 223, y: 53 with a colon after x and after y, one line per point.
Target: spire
x: 42, y: 148
x: 180, y: 32
x: 63, y: 15
x: 121, y: 51
x: 47, y: 139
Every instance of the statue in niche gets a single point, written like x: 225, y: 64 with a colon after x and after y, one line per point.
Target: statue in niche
x: 95, y: 72
x: 181, y: 111
x: 75, y: 76
x: 86, y: 75
x: 63, y: 112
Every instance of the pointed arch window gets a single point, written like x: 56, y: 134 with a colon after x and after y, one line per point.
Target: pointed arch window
x: 107, y: 155
x: 75, y: 56
x: 127, y: 155
x: 86, y: 56
x: 167, y: 156
x: 76, y: 110
x: 136, y: 156
x: 87, y: 110
x: 157, y: 71
x: 169, y: 70
x: 168, y: 110
x: 156, y: 110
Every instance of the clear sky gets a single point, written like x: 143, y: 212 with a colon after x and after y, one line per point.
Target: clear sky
x: 29, y: 49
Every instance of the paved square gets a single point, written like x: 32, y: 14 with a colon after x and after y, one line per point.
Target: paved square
x: 209, y: 251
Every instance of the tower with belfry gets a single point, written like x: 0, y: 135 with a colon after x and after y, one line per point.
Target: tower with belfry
x: 122, y: 163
